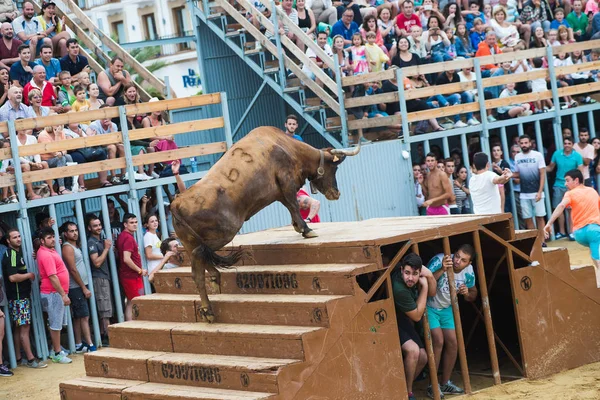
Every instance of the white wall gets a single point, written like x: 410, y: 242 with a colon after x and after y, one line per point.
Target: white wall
x: 179, y: 76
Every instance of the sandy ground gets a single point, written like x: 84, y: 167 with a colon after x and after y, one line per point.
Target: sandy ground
x: 582, y: 383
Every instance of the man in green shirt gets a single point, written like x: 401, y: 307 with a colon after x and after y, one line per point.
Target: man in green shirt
x: 411, y: 284
x: 579, y: 22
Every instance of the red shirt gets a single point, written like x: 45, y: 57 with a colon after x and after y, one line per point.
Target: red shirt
x: 50, y: 263
x: 407, y: 23
x: 48, y: 95
x: 126, y: 242
x: 12, y: 53
x: 305, y: 213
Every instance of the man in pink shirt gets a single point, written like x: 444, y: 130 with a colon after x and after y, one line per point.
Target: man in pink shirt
x: 54, y: 288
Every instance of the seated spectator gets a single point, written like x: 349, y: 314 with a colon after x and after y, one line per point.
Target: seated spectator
x: 506, y: 68
x: 345, y: 28
x: 322, y: 42
x: 14, y: 108
x: 51, y: 64
x: 404, y: 57
x: 113, y: 79
x: 306, y: 19
x: 427, y: 9
x: 54, y: 28
x: 407, y: 19
x: 81, y: 103
x: 375, y: 55
x: 506, y: 33
x: 130, y: 96
x: 66, y: 96
x: 410, y: 303
x: 324, y: 11
x: 28, y: 30
x: 39, y: 82
x: 84, y: 80
x: 21, y: 71
x: 9, y: 46
x: 417, y: 47
x: 579, y: 22
x: 452, y: 16
x: 559, y: 20
x: 581, y: 77
x: 8, y: 11
x: 102, y: 127
x: 478, y: 34
x: 553, y: 38
x: 342, y: 55
x: 487, y: 48
x: 30, y: 163
x: 540, y: 85
x: 57, y: 158
x: 564, y: 80
x: 436, y: 40
x: 388, y: 31
x: 512, y: 110
x: 370, y: 25
x: 462, y: 42
x: 472, y: 13
x: 36, y: 108
x: 360, y: 9
x: 73, y: 61
x: 536, y: 13
x: 93, y: 93
x: 292, y: 14
x: 445, y: 100
x: 565, y: 35
x: 5, y: 84
x: 538, y: 40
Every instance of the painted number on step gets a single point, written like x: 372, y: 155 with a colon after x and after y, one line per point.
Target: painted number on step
x: 191, y: 373
x: 266, y: 281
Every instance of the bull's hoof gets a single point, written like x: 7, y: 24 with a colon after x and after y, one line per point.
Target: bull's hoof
x: 310, y: 234
x: 206, y: 314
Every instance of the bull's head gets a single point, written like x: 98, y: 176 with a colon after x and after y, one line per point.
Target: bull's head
x: 326, y: 181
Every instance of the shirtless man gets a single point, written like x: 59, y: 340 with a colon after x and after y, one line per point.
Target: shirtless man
x: 437, y: 188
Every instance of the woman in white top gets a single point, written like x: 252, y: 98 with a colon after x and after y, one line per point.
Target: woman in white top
x: 342, y: 55
x: 507, y: 33
x: 30, y: 163
x: 436, y: 40
x: 152, y: 243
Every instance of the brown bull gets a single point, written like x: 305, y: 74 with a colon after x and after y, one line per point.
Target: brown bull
x: 264, y: 167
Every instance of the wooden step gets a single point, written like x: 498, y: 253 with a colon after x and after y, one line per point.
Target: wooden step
x: 272, y: 341
x: 226, y: 372
x: 269, y: 279
x: 162, y: 391
x: 278, y: 309
x: 93, y: 388
x: 235, y: 33
x: 233, y: 27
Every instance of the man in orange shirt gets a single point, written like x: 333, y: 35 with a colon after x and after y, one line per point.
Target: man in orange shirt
x: 489, y: 47
x: 585, y: 210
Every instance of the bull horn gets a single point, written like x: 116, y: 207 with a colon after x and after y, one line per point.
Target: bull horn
x: 349, y: 153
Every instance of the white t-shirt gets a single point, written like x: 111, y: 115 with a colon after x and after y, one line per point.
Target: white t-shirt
x: 586, y: 152
x: 152, y: 240
x: 27, y: 159
x: 442, y: 297
x: 528, y: 166
x: 485, y: 194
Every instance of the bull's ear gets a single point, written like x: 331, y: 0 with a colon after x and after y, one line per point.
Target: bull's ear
x: 335, y: 159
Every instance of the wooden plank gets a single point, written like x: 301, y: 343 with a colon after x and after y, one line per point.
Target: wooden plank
x: 295, y: 29
x: 366, y: 123
x: 372, y: 99
x: 569, y: 69
x: 426, y: 92
x: 79, y: 169
x: 579, y: 89
x: 183, y: 152
x: 70, y: 144
x: 371, y: 77
x: 520, y: 98
x: 437, y: 67
x: 5, y: 154
x: 111, y: 44
x: 177, y: 128
x: 7, y: 180
x: 520, y: 77
x: 443, y: 112
x: 112, y: 112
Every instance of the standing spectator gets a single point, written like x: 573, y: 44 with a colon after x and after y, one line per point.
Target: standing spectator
x: 14, y: 108
x: 438, y: 190
x: 28, y: 30
x: 54, y: 27
x: 50, y: 64
x: 516, y: 183
x: 18, y: 292
x: 130, y: 263
x: 586, y: 151
x: 498, y: 166
x: 113, y: 79
x: 4, y: 371
x: 73, y: 61
x: 345, y: 27
x: 485, y: 193
x: 595, y: 166
x: 9, y: 46
x: 54, y: 288
x: 39, y: 82
x: 449, y: 168
x: 21, y: 71
x: 291, y: 126
x: 461, y: 190
x: 410, y: 302
x: 152, y: 242
x: 585, y: 206
x: 440, y: 313
x: 98, y: 249
x: 531, y: 169
x: 418, y: 179
x: 78, y: 287
x: 564, y: 161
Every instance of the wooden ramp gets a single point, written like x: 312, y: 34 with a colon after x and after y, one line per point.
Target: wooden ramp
x: 315, y: 319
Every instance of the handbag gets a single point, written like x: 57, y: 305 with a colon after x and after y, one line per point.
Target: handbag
x: 91, y: 153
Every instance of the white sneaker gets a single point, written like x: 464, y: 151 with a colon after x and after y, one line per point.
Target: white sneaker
x: 141, y: 177
x: 491, y: 118
x: 460, y: 124
x: 61, y: 358
x: 155, y: 175
x: 473, y: 121
x: 257, y: 45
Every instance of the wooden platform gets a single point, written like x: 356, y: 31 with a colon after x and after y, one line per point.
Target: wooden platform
x: 304, y: 318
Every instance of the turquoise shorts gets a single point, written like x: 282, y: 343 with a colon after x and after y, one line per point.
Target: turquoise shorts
x: 440, y: 318
x: 589, y: 236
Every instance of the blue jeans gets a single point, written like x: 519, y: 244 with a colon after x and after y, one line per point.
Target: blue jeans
x: 467, y: 97
x: 440, y: 56
x: 545, y: 25
x: 451, y: 99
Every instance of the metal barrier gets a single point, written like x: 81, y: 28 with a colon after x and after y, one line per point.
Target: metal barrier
x: 132, y: 189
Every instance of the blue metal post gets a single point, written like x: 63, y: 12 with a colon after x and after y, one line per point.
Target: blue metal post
x: 341, y: 100
x: 426, y: 147
x: 196, y: 22
x: 14, y: 148
x: 465, y: 151
x: 248, y: 108
x: 592, y: 125
x: 553, y: 85
x: 164, y: 228
x: 12, y: 359
x: 446, y: 147
x: 112, y: 262
x: 280, y: 53
x: 86, y: 259
x: 403, y: 110
x: 575, y: 130
x: 485, y: 134
x: 513, y: 201
x: 226, y: 121
x: 168, y: 94
x: 70, y: 334
x: 538, y: 138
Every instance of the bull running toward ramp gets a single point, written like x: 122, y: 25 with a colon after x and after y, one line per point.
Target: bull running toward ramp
x: 294, y: 319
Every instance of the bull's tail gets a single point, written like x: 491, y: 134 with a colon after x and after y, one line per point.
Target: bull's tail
x: 205, y: 253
